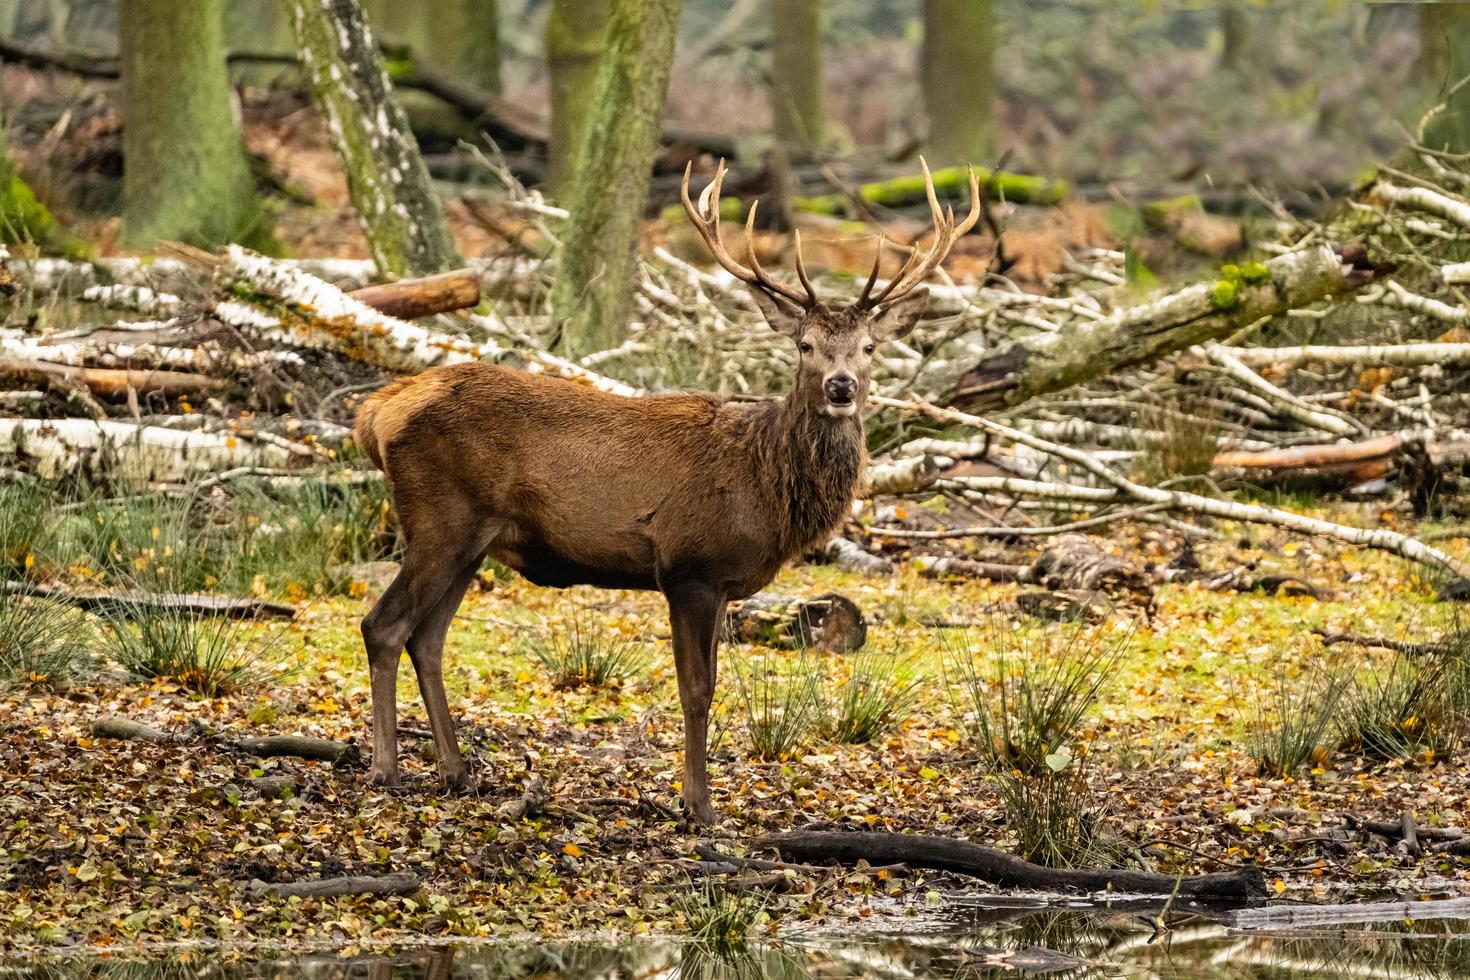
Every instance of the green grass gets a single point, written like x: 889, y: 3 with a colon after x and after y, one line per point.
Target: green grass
x: 779, y: 705
x: 1026, y: 690
x: 879, y: 693
x: 23, y: 511
x: 1293, y: 724
x: 583, y: 654
x: 40, y: 643
x: 1401, y: 709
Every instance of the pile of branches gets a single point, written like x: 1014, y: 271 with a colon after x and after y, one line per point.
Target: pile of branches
x: 1086, y: 406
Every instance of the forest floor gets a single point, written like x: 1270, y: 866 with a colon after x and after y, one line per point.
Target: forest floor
x: 107, y: 843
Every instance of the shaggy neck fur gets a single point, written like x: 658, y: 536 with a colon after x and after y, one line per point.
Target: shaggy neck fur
x: 815, y: 462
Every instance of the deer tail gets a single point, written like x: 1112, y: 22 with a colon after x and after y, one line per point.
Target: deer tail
x: 364, y: 431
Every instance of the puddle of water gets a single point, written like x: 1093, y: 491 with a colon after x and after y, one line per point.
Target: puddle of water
x: 963, y: 942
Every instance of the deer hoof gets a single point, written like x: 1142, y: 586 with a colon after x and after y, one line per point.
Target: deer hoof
x: 458, y: 781
x: 386, y: 780
x: 702, y: 813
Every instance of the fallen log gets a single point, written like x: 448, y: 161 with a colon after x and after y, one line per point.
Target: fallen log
x: 1137, y: 335
x: 312, y: 313
x: 410, y: 299
x: 528, y: 804
x: 111, y: 383
x: 1007, y: 870
x: 942, y: 568
x: 141, y: 603
x: 825, y: 622
x: 1330, y: 638
x: 399, y: 883
x: 852, y: 558
x: 297, y: 746
x: 126, y: 729
x: 1348, y: 463
x: 1370, y: 355
x: 135, y: 453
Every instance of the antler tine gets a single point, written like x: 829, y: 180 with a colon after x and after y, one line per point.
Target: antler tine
x: 811, y: 291
x: 872, y: 276
x: 916, y: 270
x: 763, y: 278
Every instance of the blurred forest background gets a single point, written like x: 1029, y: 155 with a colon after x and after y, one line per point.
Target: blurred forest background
x: 1134, y: 98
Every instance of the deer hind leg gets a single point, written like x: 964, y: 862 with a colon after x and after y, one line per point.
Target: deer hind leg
x: 422, y: 580
x: 694, y: 618
x: 426, y: 650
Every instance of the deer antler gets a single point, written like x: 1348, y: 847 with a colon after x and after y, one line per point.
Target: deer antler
x: 706, y: 219
x: 915, y: 270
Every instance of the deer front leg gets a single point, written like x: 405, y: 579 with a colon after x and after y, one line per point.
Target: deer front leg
x: 694, y: 618
x: 426, y: 650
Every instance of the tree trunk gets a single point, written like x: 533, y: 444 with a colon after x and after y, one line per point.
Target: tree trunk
x: 593, y: 291
x: 1444, y: 38
x: 185, y: 174
x: 796, y: 76
x: 1137, y: 335
x: 576, y: 36
x: 386, y: 177
x: 958, y: 77
x: 460, y: 38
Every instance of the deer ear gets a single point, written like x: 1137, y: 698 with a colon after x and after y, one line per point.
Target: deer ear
x: 897, y: 320
x: 782, y: 315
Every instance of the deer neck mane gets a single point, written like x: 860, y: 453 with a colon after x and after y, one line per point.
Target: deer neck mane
x: 812, y: 464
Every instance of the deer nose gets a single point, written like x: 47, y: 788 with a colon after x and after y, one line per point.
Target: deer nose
x: 840, y: 388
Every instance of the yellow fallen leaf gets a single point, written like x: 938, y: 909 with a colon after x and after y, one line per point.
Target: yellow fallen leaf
x: 572, y: 850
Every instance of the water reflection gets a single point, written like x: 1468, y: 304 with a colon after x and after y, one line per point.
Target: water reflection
x: 970, y: 942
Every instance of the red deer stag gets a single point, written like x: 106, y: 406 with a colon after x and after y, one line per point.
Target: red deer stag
x: 698, y: 498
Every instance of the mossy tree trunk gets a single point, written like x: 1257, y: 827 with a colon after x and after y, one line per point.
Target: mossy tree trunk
x: 460, y: 38
x: 796, y: 77
x: 1234, y: 37
x: 185, y: 175
x: 576, y: 36
x: 957, y: 74
x: 594, y: 287
x: 386, y: 177
x: 1444, y: 32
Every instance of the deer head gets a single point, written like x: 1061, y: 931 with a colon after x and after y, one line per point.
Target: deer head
x: 835, y: 344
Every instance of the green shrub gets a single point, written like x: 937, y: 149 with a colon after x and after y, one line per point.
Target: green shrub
x: 210, y: 655
x: 1405, y: 708
x: 147, y: 542
x: 23, y: 511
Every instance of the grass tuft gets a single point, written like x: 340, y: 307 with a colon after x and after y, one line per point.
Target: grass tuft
x: 876, y: 697
x: 718, y: 921
x: 1028, y: 692
x: 23, y: 511
x: 1293, y: 724
x: 39, y: 643
x: 780, y: 707
x: 583, y: 655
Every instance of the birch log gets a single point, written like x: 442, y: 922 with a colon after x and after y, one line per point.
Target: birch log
x: 137, y: 453
x: 1137, y: 335
x: 303, y: 311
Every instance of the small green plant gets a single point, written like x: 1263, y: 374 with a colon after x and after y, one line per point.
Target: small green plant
x: 1293, y: 724
x: 718, y: 921
x: 1027, y: 690
x: 39, y: 642
x: 1053, y: 814
x: 210, y: 655
x: 878, y: 694
x: 584, y: 656
x: 780, y: 707
x: 146, y: 541
x: 23, y: 511
x: 1405, y: 708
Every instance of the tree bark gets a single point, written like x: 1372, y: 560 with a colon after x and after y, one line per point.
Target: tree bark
x: 386, y: 177
x: 593, y: 293
x: 958, y: 80
x: 412, y: 299
x: 824, y: 622
x: 576, y: 36
x: 185, y: 174
x: 796, y: 77
x: 463, y: 36
x: 1137, y: 335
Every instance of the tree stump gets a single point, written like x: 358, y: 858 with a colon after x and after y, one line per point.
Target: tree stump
x: 825, y: 622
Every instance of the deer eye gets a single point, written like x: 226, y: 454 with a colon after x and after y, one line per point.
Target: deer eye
x: 870, y: 348
x: 804, y: 347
